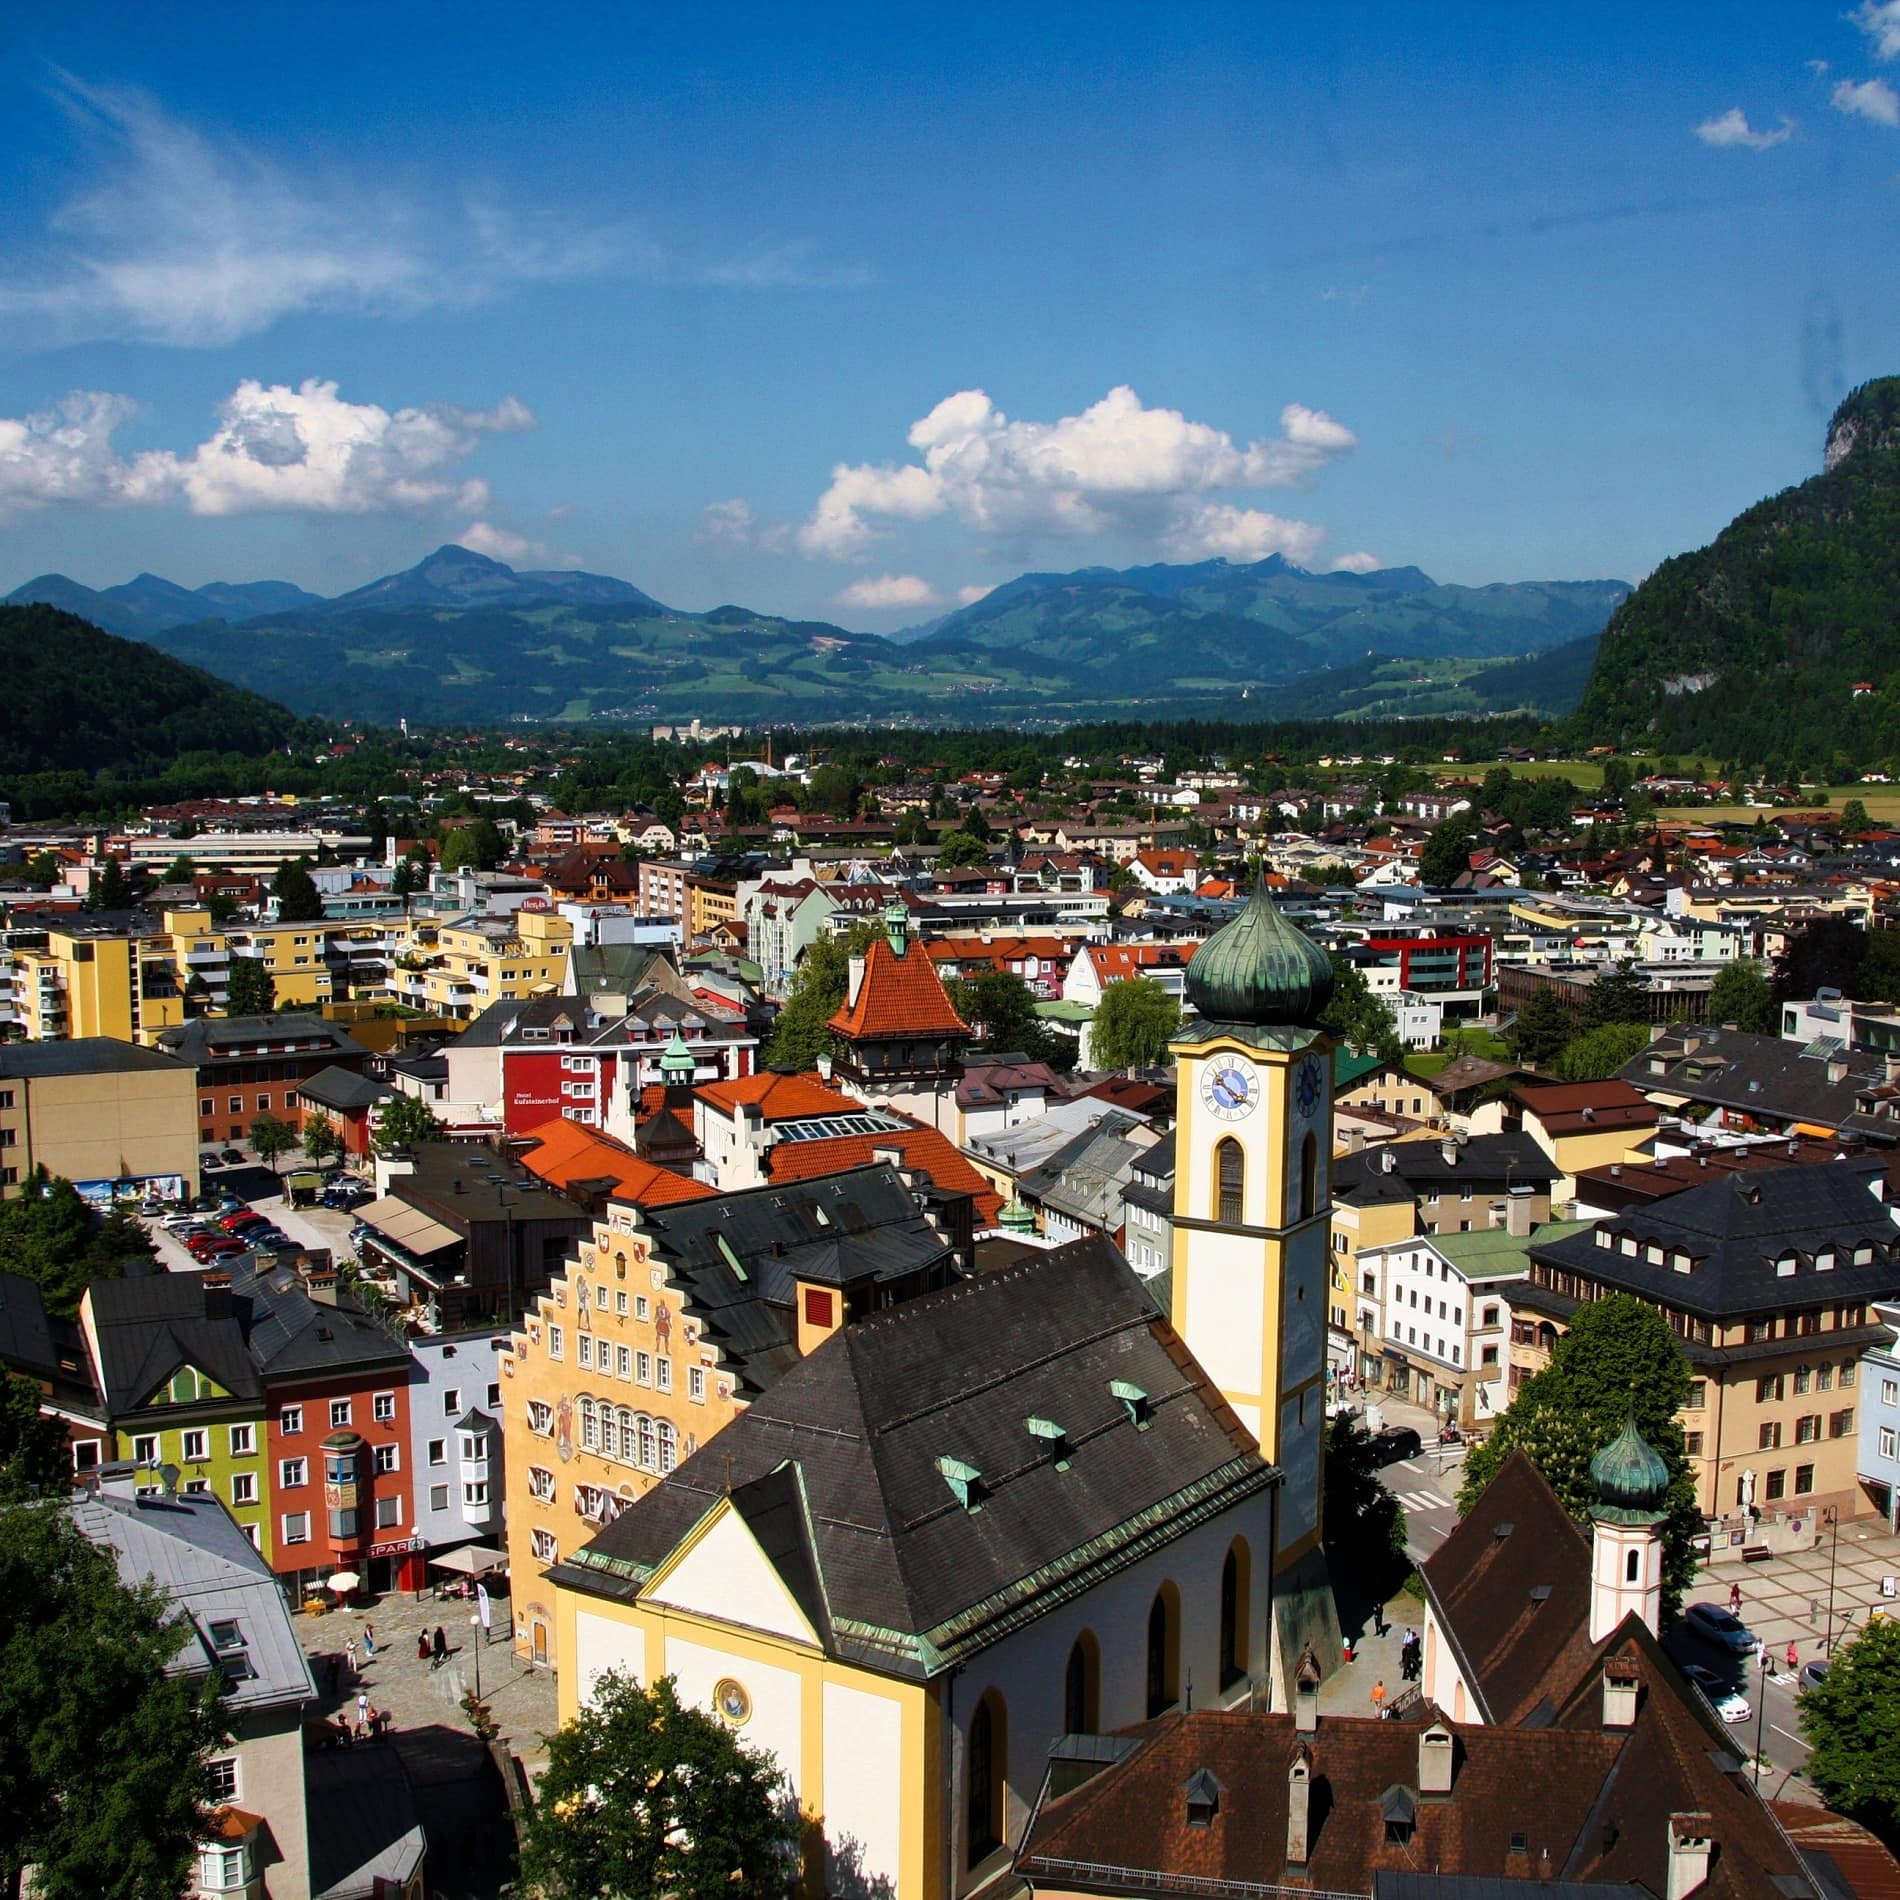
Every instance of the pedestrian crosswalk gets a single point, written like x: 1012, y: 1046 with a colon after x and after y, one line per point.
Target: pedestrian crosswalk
x: 1421, y: 1500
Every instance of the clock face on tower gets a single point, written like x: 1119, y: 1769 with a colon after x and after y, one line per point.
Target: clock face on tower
x: 1309, y: 1087
x: 1230, y: 1088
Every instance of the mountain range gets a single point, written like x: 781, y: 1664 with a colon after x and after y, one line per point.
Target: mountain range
x: 460, y: 638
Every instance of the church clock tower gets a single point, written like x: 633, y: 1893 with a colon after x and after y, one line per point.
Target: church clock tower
x: 1252, y: 1201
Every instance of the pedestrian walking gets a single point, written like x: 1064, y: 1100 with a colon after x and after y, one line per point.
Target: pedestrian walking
x: 1377, y: 1698
x: 369, y: 1639
x: 1794, y: 1660
x: 349, y: 1659
x: 1735, y: 1599
x: 439, y: 1647
x: 422, y: 1645
x: 362, y: 1712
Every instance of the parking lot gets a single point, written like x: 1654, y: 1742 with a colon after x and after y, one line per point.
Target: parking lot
x: 262, y: 1190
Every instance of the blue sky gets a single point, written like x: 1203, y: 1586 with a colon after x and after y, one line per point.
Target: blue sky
x: 852, y: 313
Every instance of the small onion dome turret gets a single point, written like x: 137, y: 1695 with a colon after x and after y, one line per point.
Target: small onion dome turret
x: 1630, y: 1477
x: 1260, y: 969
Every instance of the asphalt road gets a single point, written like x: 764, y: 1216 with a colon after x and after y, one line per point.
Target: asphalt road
x: 1427, y: 1488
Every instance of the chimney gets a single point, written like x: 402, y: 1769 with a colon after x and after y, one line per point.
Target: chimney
x: 1299, y: 1791
x: 1621, y: 1680
x: 1690, y: 1849
x: 217, y: 1292
x: 1837, y: 1071
x: 1517, y: 1213
x: 1354, y: 1138
x: 1448, y: 1153
x: 1435, y: 1751
x: 854, y: 983
x: 1306, y: 1682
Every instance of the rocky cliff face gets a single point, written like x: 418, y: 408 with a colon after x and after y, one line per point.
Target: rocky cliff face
x: 1868, y: 419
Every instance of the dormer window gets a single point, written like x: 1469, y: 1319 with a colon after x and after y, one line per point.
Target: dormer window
x: 965, y: 1482
x: 1055, y: 1440
x: 1203, y: 1798
x: 1401, y: 1816
x: 1785, y: 1266
x: 1136, y: 1402
x: 1604, y: 1238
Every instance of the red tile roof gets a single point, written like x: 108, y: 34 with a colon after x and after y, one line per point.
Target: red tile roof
x: 932, y: 1154
x: 566, y: 1152
x: 898, y: 996
x: 1583, y: 1108
x: 779, y: 1098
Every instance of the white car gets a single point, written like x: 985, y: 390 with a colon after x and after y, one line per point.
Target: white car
x: 1730, y: 1704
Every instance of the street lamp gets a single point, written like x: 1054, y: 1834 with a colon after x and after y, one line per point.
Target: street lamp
x: 1761, y: 1711
x: 1832, y: 1518
x: 475, y: 1643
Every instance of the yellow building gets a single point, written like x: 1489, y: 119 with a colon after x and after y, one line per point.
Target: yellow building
x: 678, y: 1313
x: 1583, y: 1125
x: 97, y: 1110
x: 112, y: 975
x: 456, y: 968
x: 960, y: 1528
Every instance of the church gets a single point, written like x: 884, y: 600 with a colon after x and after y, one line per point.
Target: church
x: 1028, y: 1506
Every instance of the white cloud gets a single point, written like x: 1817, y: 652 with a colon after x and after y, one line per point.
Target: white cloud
x: 969, y: 596
x: 1868, y: 99
x: 274, y: 449
x: 1117, y: 466
x: 1818, y: 67
x: 1240, y: 534
x: 499, y: 544
x: 726, y: 524
x: 888, y: 590
x: 1733, y: 128
x: 177, y: 237
x: 1360, y: 563
x: 1880, y: 21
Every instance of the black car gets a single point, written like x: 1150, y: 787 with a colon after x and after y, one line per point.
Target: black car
x: 1395, y: 1444
x: 232, y: 1158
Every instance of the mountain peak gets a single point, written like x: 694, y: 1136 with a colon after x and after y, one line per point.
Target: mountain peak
x: 1867, y: 421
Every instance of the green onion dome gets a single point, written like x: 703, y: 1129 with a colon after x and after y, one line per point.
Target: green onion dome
x: 1260, y: 969
x: 1629, y: 1473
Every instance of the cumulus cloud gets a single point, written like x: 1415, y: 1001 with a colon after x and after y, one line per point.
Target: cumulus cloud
x: 1118, y: 465
x: 178, y: 237
x: 969, y: 596
x: 889, y: 590
x: 1360, y: 563
x: 500, y: 544
x: 1880, y: 21
x: 1868, y: 99
x: 274, y: 449
x: 726, y: 524
x: 1733, y: 128
x: 1240, y: 534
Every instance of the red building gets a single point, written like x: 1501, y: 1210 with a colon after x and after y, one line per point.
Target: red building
x: 1431, y: 963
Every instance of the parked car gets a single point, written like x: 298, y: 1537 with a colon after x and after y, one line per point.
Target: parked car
x: 1721, y: 1627
x: 1728, y: 1702
x: 179, y: 1222
x: 238, y: 1217
x: 205, y: 1250
x: 1813, y: 1674
x: 232, y: 1158
x: 1395, y: 1444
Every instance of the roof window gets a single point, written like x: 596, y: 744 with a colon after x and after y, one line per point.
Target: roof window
x: 1139, y: 1406
x: 965, y: 1481
x: 1054, y: 1437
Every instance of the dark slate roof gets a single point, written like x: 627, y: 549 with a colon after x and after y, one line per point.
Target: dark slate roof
x: 83, y: 1055
x: 26, y: 1339
x: 152, y: 1325
x: 847, y: 1229
x: 1735, y: 1229
x: 225, y: 1038
x: 837, y: 1467
x: 1422, y: 1166
x: 1768, y: 1076
x: 293, y: 1336
x: 342, y: 1089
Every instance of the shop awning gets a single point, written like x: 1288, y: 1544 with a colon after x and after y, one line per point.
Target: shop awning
x: 472, y: 1560
x: 409, y: 1227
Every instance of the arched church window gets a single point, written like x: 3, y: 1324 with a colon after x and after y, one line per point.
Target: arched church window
x: 1230, y: 1166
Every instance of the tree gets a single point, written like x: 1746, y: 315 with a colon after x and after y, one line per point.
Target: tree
x: 181, y: 870
x: 1358, y: 1017
x: 34, y: 1460
x: 799, y: 1037
x: 997, y: 1004
x: 1849, y: 1721
x: 1365, y: 1526
x: 1826, y: 955
x: 1854, y: 818
x: 1544, y: 1026
x: 976, y: 824
x: 1618, y: 1360
x: 44, y: 869
x: 1134, y: 1023
x: 912, y: 827
x: 1618, y: 995
x: 104, y: 1777
x: 403, y: 1121
x: 1878, y: 978
x: 298, y: 899
x: 644, y: 1797
x: 321, y: 1141
x: 1597, y: 1054
x: 957, y: 849
x: 249, y: 990
x: 272, y: 1138
x: 108, y: 889
x: 475, y: 846
x: 50, y: 1236
x: 1740, y: 995
x: 1447, y: 853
